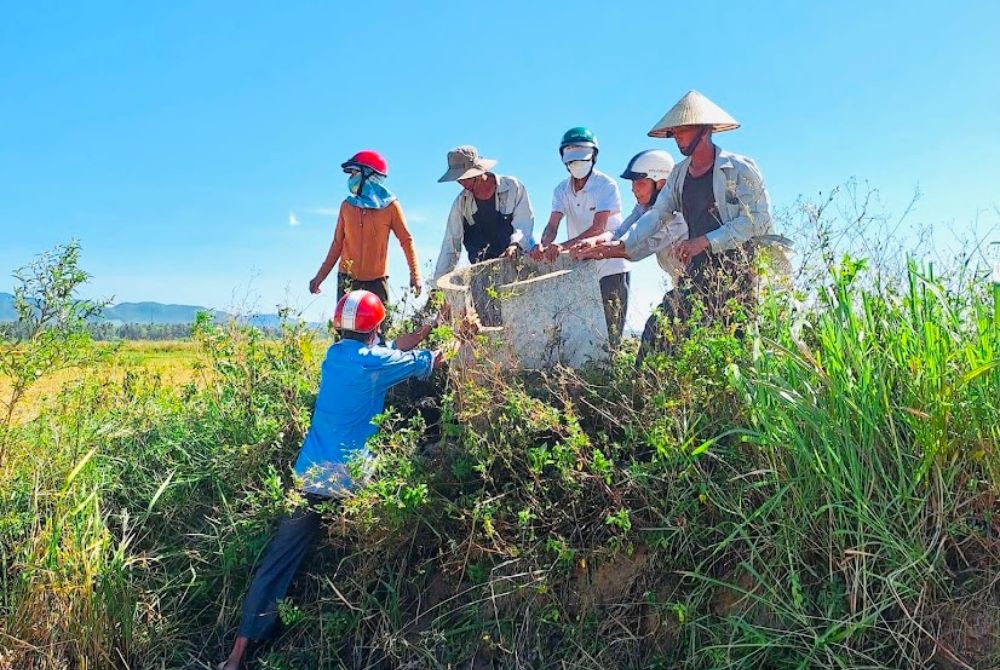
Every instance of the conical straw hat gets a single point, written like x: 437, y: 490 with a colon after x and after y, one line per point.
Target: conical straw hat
x: 694, y: 109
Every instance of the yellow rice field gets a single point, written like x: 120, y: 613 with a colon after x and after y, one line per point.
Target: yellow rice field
x: 174, y: 362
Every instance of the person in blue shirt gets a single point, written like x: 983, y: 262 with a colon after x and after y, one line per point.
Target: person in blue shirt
x: 355, y: 377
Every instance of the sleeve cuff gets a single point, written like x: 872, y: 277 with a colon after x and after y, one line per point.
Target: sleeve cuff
x: 717, y: 240
x: 631, y: 248
x: 425, y: 363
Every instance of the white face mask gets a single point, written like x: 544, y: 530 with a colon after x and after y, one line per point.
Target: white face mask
x: 580, y: 169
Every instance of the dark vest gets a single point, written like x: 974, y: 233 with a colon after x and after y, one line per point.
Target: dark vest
x: 488, y: 235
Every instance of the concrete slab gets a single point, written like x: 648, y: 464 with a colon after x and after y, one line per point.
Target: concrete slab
x: 534, y: 315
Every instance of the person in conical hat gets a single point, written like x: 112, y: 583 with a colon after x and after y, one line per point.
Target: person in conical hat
x: 723, y: 201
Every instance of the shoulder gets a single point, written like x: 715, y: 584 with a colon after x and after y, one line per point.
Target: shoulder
x: 339, y: 353
x: 604, y: 181
x: 457, y: 202
x: 508, y: 182
x: 395, y: 209
x: 511, y: 185
x: 381, y: 352
x: 602, y: 177
x: 561, y: 188
x: 740, y: 162
x: 605, y: 185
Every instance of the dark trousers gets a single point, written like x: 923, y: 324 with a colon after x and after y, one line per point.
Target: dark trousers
x: 346, y: 284
x: 614, y: 294
x: 729, y: 302
x: 661, y: 326
x: 293, y: 539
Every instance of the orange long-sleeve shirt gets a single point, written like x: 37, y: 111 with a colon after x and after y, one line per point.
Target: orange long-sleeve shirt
x: 361, y: 242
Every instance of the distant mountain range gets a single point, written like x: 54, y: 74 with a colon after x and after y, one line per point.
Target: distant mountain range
x: 149, y: 312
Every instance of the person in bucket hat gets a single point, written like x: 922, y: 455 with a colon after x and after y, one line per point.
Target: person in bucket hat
x: 355, y: 377
x: 591, y: 203
x: 361, y: 239
x: 491, y: 217
x: 722, y: 199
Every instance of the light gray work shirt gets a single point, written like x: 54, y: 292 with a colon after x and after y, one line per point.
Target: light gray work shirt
x: 740, y: 197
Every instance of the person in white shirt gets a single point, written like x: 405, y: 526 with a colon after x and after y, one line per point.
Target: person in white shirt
x: 491, y: 217
x: 591, y: 204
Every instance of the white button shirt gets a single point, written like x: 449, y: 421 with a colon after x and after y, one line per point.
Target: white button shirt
x: 599, y: 194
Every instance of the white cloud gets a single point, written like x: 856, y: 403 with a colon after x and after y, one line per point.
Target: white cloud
x: 292, y: 219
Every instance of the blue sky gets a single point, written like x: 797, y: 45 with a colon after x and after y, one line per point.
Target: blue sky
x: 176, y: 139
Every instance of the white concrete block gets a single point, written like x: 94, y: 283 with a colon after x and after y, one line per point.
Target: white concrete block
x: 535, y: 315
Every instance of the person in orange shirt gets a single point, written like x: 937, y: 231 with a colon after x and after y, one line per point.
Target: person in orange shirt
x: 361, y: 240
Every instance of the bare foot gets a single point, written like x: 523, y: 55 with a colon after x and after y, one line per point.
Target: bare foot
x: 235, y: 659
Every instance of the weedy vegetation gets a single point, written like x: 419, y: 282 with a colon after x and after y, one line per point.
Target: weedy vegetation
x: 810, y: 486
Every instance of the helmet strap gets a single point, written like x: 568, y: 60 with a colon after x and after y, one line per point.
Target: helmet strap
x: 366, y: 174
x: 702, y: 132
x: 655, y: 194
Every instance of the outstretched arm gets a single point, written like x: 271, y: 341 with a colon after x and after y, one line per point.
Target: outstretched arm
x: 332, y: 256
x: 523, y: 222
x: 409, y: 341
x: 596, y: 228
x: 402, y: 233
x: 544, y: 249
x: 451, y: 245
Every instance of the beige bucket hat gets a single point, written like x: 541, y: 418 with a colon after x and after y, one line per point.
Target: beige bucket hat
x: 464, y: 162
x: 694, y: 109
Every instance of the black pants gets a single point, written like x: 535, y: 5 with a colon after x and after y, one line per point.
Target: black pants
x: 295, y: 536
x: 614, y: 294
x: 732, y: 300
x: 662, y: 325
x: 346, y: 283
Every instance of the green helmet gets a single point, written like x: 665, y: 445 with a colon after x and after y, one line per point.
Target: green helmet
x: 578, y: 136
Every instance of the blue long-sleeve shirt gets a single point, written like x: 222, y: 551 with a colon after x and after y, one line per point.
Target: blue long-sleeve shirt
x: 353, y: 382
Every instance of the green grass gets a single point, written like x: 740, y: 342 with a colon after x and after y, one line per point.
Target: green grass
x: 821, y: 493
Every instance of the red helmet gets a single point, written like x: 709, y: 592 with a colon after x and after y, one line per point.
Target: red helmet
x: 360, y: 311
x: 369, y: 159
